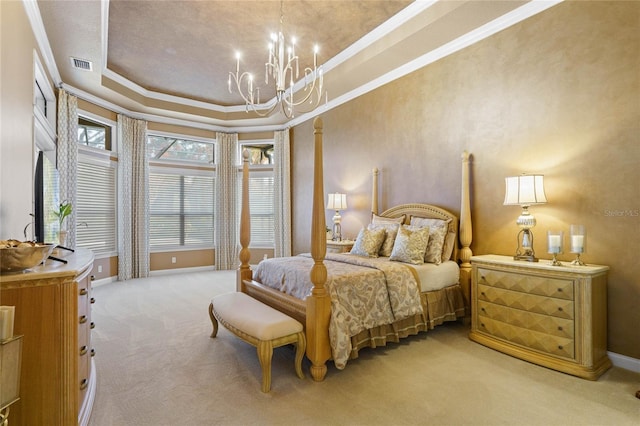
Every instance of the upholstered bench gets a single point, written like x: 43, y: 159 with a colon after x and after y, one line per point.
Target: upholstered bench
x: 259, y: 325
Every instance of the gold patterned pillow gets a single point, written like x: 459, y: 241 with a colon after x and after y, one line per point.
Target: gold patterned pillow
x: 438, y: 232
x: 391, y: 230
x: 410, y: 245
x: 368, y: 242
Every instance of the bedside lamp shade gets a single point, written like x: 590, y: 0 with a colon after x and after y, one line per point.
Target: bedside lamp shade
x: 525, y: 190
x: 337, y: 201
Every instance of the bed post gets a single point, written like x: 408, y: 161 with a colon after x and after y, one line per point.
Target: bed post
x: 465, y: 232
x: 244, y: 272
x: 318, y: 304
x: 374, y: 192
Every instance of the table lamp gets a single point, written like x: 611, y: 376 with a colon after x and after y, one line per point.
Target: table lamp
x: 337, y: 202
x: 525, y: 190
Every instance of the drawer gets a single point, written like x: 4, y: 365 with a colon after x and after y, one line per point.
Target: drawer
x: 560, y: 308
x: 546, y: 343
x: 521, y: 281
x: 542, y: 323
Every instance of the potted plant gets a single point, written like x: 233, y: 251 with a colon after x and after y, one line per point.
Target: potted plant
x: 63, y: 211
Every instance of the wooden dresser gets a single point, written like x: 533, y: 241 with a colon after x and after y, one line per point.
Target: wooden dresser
x: 53, y: 312
x: 554, y: 316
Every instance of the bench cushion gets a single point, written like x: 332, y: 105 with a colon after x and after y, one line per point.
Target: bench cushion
x: 254, y: 317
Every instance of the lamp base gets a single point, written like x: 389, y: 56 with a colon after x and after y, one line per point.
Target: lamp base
x: 525, y: 246
x: 526, y: 257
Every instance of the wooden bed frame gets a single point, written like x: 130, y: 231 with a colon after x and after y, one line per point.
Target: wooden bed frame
x: 315, y: 312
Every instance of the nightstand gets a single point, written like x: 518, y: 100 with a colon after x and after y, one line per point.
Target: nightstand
x: 554, y: 316
x: 343, y: 246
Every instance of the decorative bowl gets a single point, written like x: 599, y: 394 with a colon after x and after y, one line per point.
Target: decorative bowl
x: 16, y: 256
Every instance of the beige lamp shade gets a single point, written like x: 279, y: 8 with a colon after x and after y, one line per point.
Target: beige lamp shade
x: 524, y: 190
x: 337, y: 201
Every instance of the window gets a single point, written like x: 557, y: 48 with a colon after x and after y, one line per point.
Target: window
x: 176, y: 148
x: 96, y: 204
x: 261, y: 192
x: 181, y: 209
x: 93, y: 134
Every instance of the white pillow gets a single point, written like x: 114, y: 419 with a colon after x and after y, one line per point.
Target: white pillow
x: 368, y: 242
x: 391, y: 230
x: 438, y: 232
x: 379, y: 220
x: 410, y: 245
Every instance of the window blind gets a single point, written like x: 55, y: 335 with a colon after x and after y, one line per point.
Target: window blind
x: 96, y: 207
x: 261, y: 208
x: 181, y: 209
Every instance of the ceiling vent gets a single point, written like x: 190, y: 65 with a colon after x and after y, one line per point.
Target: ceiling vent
x: 81, y: 64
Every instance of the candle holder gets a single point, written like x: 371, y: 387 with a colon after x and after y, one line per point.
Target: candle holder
x: 578, y: 243
x: 554, y: 244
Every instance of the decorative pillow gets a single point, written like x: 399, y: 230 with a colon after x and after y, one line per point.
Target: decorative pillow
x: 438, y: 232
x: 368, y: 242
x: 449, y: 244
x: 391, y: 230
x: 410, y: 245
x: 379, y: 220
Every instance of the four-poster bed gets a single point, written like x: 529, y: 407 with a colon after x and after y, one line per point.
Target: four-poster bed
x: 443, y: 301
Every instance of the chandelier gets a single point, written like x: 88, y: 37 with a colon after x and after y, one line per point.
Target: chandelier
x: 284, y: 71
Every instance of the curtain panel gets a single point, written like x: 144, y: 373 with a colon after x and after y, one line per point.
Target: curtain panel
x: 282, y: 194
x: 67, y: 158
x: 226, y: 223
x: 133, y: 196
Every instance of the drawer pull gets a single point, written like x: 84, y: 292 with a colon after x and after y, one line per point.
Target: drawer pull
x: 481, y: 324
x: 559, y: 328
x: 559, y: 290
x: 482, y: 293
x: 83, y: 292
x: 482, y: 278
x: 93, y: 300
x: 482, y: 309
x: 93, y: 277
x: 93, y: 325
x: 560, y: 309
x: 83, y: 319
x: 560, y: 347
x: 83, y: 350
x: 93, y: 352
x: 83, y: 384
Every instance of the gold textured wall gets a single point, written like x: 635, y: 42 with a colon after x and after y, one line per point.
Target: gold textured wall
x: 557, y: 94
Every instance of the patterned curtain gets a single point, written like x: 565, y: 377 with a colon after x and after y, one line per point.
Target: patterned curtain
x: 133, y: 197
x: 227, y: 232
x: 282, y: 194
x: 67, y: 160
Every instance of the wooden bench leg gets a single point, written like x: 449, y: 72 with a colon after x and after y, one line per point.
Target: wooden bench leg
x: 265, y: 353
x: 301, y: 347
x: 214, y: 321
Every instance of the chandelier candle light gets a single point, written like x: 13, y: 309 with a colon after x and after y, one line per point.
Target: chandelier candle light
x: 281, y: 71
x: 337, y: 202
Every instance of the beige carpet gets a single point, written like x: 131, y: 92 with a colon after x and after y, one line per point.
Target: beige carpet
x: 156, y: 365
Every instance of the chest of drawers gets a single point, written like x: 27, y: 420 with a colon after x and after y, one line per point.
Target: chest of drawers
x: 53, y: 313
x: 554, y: 316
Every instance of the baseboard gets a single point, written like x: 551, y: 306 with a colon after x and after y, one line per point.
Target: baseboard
x: 103, y: 281
x: 623, y: 361
x: 180, y: 270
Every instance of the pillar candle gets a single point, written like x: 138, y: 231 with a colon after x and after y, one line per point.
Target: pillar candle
x: 554, y: 244
x: 577, y: 243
